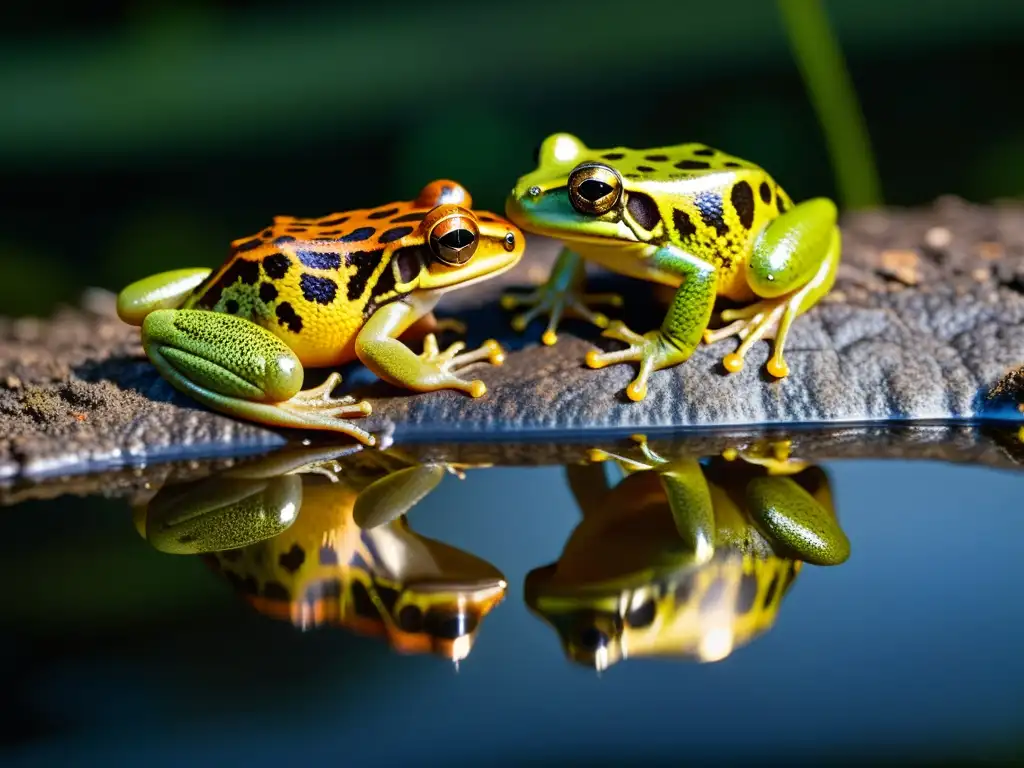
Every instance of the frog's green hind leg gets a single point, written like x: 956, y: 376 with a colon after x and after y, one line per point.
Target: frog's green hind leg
x: 166, y: 290
x: 681, y: 331
x: 562, y: 295
x: 792, y: 517
x: 236, y: 367
x: 793, y: 265
x: 387, y: 499
x: 219, y: 513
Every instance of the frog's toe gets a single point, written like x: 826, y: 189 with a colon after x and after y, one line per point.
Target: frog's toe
x: 652, y: 350
x: 751, y: 324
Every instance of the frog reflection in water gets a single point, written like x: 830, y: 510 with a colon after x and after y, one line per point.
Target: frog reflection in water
x: 683, y: 557
x: 314, y: 539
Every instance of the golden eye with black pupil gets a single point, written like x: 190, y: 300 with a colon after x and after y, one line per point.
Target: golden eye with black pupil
x: 510, y: 242
x: 453, y: 239
x: 594, y: 189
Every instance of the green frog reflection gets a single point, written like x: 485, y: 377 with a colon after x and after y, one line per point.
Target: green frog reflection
x: 684, y: 557
x: 283, y: 531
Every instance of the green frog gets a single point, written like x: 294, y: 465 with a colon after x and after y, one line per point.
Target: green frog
x: 684, y: 557
x: 284, y: 532
x: 688, y: 217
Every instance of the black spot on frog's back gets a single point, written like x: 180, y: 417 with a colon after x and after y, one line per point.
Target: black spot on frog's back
x: 319, y: 259
x: 364, y: 262
x: 684, y: 224
x: 248, y: 245
x: 276, y: 265
x: 709, y: 203
x: 318, y: 289
x: 747, y: 595
x: 293, y: 559
x: 742, y: 199
x: 396, y: 233
x: 693, y: 165
x: 357, y: 235
x: 267, y: 292
x: 288, y: 317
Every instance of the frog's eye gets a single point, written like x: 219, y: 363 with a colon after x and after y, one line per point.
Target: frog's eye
x: 454, y: 238
x: 594, y: 189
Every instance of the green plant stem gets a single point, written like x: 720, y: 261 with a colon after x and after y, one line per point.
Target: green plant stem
x: 831, y: 92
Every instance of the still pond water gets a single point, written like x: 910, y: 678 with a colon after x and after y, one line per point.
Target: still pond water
x: 519, y: 614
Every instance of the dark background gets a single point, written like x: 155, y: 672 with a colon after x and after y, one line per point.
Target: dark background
x: 136, y: 137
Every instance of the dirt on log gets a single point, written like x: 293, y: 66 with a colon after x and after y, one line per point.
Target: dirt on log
x: 926, y: 323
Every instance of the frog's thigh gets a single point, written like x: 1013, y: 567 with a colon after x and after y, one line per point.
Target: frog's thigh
x: 224, y: 355
x: 166, y: 290
x: 790, y: 250
x: 790, y: 516
x: 390, y: 497
x: 217, y: 514
x: 689, y: 499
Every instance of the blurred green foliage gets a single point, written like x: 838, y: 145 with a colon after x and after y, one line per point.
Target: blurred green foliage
x: 141, y: 137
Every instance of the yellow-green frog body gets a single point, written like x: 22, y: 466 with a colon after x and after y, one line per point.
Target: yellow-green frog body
x: 683, y: 558
x: 690, y: 217
x: 321, y: 292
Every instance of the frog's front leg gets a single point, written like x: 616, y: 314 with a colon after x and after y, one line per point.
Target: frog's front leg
x: 681, y: 331
x: 792, y: 266
x: 380, y: 350
x: 236, y: 367
x: 388, y: 498
x: 689, y: 499
x: 562, y: 295
x: 792, y: 517
x: 166, y: 290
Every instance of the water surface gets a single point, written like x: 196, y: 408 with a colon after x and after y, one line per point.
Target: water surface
x: 117, y: 651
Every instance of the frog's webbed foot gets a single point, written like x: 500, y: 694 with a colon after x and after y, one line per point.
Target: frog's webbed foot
x: 318, y: 409
x: 561, y: 296
x: 557, y: 304
x: 760, y: 320
x: 447, y: 363
x: 653, y: 351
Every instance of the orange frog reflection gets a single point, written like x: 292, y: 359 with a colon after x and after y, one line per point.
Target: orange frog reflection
x: 283, y: 531
x: 684, y: 558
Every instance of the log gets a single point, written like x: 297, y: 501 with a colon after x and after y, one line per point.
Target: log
x: 925, y: 325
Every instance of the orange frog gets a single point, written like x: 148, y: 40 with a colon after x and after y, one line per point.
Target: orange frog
x: 319, y: 293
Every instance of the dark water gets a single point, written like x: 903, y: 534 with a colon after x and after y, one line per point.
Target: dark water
x: 116, y: 652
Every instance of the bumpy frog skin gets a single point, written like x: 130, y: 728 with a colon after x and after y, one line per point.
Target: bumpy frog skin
x: 284, y: 531
x: 689, y: 217
x: 683, y: 557
x: 319, y: 293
